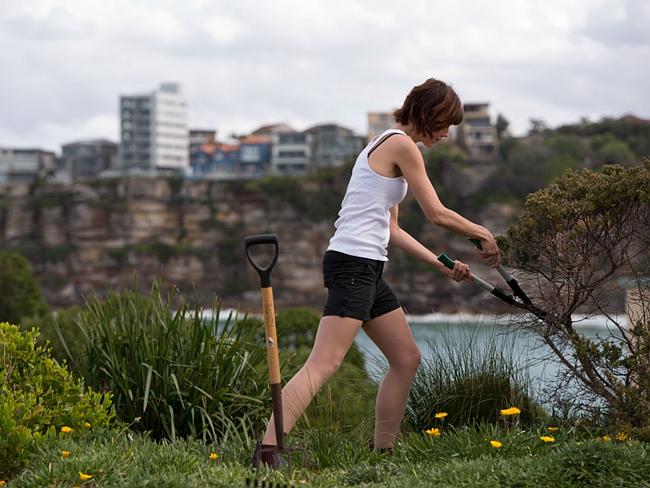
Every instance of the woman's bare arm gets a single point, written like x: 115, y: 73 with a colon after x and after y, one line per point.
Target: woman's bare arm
x: 405, y: 241
x: 409, y: 159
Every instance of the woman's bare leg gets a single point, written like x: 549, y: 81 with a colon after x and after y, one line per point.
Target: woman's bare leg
x: 333, y: 340
x: 392, y: 335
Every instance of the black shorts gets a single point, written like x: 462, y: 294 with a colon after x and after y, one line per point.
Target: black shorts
x: 355, y: 287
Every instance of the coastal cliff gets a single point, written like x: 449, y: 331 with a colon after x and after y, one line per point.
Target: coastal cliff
x: 95, y: 236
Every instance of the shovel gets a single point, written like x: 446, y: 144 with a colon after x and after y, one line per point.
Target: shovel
x: 272, y: 348
x: 272, y: 352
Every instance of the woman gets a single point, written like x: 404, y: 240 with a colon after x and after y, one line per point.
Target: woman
x: 353, y: 263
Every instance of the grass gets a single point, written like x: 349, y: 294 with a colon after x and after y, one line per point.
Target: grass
x: 471, y: 375
x: 460, y: 457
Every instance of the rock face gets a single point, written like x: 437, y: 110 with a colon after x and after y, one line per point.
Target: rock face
x: 96, y: 236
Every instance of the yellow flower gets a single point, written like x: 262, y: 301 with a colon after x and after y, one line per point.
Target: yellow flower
x: 495, y: 444
x: 87, y: 425
x: 441, y: 415
x: 547, y: 438
x: 552, y: 429
x: 213, y: 456
x: 622, y: 436
x: 84, y: 476
x: 65, y: 454
x: 66, y: 430
x: 433, y: 432
x: 510, y: 411
x: 606, y: 438
x: 3, y: 483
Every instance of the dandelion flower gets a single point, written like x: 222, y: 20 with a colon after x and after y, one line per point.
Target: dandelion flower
x: 433, y: 432
x: 547, y: 438
x: 65, y: 454
x: 213, y: 456
x: 495, y: 444
x: 441, y: 415
x: 87, y: 425
x: 552, y: 429
x: 622, y: 436
x: 510, y: 411
x: 66, y: 430
x: 606, y: 438
x: 84, y: 476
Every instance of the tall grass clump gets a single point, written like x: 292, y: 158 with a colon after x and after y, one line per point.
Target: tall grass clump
x: 471, y: 378
x: 174, y: 374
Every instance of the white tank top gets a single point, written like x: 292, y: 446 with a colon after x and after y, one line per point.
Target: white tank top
x: 363, y: 226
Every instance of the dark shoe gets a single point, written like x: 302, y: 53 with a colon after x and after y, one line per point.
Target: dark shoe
x: 381, y: 450
x: 266, y: 454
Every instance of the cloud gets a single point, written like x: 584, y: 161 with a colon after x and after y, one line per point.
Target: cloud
x: 246, y: 63
x: 621, y: 22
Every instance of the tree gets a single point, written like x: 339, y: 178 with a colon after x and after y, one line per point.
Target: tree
x: 611, y: 150
x: 537, y: 126
x: 502, y: 126
x: 576, y: 240
x: 20, y: 294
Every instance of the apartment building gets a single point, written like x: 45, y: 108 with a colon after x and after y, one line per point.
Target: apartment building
x: 333, y: 145
x: 25, y: 165
x: 87, y: 159
x: 154, y: 135
x: 291, y: 153
x: 379, y: 122
x: 476, y: 133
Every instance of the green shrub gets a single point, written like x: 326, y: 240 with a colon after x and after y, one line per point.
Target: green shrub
x: 38, y: 396
x: 175, y: 372
x: 469, y: 381
x: 20, y: 294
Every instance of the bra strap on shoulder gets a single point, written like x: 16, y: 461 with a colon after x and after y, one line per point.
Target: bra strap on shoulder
x: 381, y: 141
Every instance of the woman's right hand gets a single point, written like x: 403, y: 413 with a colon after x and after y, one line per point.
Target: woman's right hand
x: 490, y: 250
x: 461, y: 271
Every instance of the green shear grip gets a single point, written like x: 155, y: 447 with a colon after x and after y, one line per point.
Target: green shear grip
x: 449, y: 263
x: 446, y: 260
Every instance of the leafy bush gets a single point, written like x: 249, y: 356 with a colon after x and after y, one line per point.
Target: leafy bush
x: 20, y: 294
x: 38, y: 397
x: 575, y: 240
x: 469, y: 381
x: 175, y: 372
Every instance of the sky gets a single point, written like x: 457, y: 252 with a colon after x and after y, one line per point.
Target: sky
x: 242, y: 64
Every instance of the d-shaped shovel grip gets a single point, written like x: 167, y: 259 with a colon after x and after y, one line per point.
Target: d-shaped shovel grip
x: 264, y: 272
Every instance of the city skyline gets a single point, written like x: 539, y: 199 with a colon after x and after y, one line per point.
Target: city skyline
x: 248, y: 64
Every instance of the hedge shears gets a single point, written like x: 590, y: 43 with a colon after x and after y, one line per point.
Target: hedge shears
x: 518, y: 298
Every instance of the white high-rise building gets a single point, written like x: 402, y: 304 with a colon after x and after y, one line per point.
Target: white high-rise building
x: 154, y: 134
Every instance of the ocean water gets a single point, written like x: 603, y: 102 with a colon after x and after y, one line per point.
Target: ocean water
x: 535, y: 361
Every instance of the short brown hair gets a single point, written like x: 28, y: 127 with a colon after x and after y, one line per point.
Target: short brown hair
x: 430, y: 107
